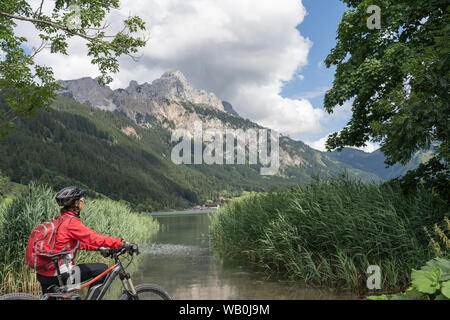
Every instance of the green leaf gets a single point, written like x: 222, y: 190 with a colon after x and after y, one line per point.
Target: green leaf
x: 441, y: 263
x: 410, y: 294
x: 426, y: 281
x: 413, y: 294
x: 445, y: 290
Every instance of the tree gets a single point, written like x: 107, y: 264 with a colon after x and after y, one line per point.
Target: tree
x: 398, y: 76
x: 25, y: 85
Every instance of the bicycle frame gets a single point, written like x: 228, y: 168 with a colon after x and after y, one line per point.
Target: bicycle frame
x: 111, y: 273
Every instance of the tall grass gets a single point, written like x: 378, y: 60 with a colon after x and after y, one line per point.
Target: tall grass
x: 35, y: 205
x: 328, y: 233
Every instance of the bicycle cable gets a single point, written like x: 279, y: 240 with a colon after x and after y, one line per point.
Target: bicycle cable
x: 131, y: 260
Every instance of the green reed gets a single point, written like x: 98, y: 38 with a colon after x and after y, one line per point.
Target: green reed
x: 328, y: 233
x: 35, y: 205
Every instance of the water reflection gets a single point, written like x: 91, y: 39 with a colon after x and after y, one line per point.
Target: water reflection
x: 180, y: 260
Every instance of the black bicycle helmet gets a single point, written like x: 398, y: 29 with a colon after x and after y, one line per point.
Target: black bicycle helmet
x: 67, y: 196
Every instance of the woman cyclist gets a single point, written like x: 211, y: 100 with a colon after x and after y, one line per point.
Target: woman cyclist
x: 71, y: 236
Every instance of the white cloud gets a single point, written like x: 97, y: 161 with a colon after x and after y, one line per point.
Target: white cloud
x: 243, y: 51
x: 320, y: 145
x: 343, y: 112
x: 370, y: 147
x: 288, y: 116
x: 313, y: 94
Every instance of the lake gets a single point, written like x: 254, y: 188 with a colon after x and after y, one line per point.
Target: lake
x: 180, y: 260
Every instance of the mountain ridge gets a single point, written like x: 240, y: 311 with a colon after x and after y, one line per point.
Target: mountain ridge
x: 109, y: 153
x: 173, y: 103
x: 171, y: 85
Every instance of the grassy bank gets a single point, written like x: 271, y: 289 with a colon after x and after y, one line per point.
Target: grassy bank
x: 10, y: 191
x: 328, y: 233
x: 36, y: 204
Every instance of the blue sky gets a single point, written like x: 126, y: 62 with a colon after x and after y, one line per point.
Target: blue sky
x: 320, y: 26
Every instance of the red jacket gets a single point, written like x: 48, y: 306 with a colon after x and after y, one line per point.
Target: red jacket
x: 73, y: 235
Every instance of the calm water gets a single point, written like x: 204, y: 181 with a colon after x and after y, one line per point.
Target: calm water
x: 179, y: 259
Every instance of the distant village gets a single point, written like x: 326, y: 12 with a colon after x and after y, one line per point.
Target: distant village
x: 208, y: 206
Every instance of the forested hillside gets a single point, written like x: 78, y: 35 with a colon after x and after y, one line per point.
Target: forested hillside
x: 85, y: 146
x: 108, y: 153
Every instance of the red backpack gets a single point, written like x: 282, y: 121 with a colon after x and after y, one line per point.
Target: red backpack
x: 42, y: 241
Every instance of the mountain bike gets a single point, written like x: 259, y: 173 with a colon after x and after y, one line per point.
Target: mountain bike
x: 97, y: 292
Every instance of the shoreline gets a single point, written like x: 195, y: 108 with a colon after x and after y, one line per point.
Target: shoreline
x: 180, y: 212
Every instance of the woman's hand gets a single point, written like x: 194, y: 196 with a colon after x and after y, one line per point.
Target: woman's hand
x: 104, y: 251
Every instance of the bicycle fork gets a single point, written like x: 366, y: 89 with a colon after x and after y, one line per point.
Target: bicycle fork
x: 128, y: 285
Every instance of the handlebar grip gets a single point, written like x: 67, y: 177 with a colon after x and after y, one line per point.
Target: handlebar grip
x: 107, y: 252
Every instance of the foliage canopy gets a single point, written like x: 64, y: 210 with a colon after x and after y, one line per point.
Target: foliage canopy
x: 398, y: 79
x: 24, y: 84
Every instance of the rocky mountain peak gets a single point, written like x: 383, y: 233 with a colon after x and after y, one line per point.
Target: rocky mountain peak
x: 133, y: 84
x: 175, y: 75
x: 229, y: 108
x: 88, y: 90
x: 83, y: 85
x: 172, y: 85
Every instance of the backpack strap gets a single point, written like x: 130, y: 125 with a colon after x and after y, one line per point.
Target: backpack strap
x: 60, y: 220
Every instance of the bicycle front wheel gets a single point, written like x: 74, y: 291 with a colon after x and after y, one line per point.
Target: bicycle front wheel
x: 19, y: 296
x: 148, y: 292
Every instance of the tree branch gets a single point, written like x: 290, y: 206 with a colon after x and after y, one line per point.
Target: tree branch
x: 50, y: 23
x: 40, y: 9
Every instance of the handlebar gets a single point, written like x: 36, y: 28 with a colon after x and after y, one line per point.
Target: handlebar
x: 106, y: 252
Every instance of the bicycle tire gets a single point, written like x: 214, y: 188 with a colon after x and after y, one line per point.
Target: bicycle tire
x: 18, y: 296
x: 148, y: 288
